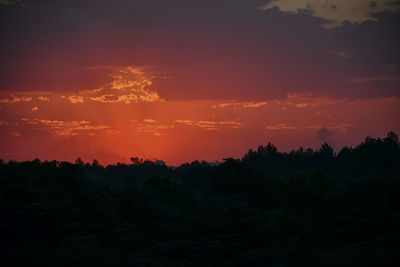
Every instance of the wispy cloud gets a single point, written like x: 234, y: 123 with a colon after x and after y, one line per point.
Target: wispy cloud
x: 66, y: 128
x: 15, y: 134
x: 232, y: 124
x: 127, y: 99
x: 374, y: 79
x: 308, y: 100
x: 240, y: 104
x: 281, y: 126
x: 157, y: 128
x: 207, y: 125
x: 210, y: 125
x: 152, y: 126
x: 338, y: 126
x: 187, y: 122
x: 341, y: 54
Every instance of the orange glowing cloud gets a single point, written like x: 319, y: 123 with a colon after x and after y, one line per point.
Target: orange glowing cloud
x: 74, y: 99
x: 241, y: 104
x: 128, y: 85
x: 14, y: 99
x: 66, y: 128
x: 281, y: 126
x: 43, y: 98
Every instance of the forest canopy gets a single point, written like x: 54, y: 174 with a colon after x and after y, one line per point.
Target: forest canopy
x: 300, y: 208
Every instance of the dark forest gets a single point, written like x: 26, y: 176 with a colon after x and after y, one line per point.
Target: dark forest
x: 299, y: 208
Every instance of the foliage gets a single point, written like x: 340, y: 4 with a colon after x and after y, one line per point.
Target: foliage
x: 302, y: 208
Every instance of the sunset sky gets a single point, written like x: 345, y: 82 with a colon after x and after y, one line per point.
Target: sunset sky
x: 179, y: 80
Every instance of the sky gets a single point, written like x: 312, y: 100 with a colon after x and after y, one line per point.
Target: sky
x: 180, y: 80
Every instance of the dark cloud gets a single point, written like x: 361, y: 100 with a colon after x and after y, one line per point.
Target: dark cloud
x: 325, y: 135
x: 209, y: 49
x: 12, y: 2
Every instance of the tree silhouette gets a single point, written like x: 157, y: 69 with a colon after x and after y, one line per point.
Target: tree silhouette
x: 297, y: 208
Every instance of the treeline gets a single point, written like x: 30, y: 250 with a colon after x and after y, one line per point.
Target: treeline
x: 301, y: 208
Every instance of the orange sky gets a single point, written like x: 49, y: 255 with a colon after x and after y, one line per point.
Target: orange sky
x: 127, y: 117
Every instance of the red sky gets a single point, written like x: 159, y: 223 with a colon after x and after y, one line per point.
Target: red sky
x: 197, y: 80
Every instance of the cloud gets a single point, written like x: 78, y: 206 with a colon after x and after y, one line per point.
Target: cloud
x: 152, y: 126
x: 341, y: 54
x: 324, y: 135
x: 35, y: 108
x: 187, y: 122
x: 241, y: 104
x: 257, y: 66
x: 74, y: 99
x: 339, y: 126
x: 335, y: 12
x: 15, y: 134
x: 211, y: 125
x: 128, y: 85
x: 127, y: 99
x: 43, y: 98
x: 111, y: 131
x: 391, y: 67
x: 374, y: 79
x: 207, y: 125
x: 281, y: 126
x: 66, y: 128
x: 232, y: 124
x: 308, y: 100
x: 14, y: 99
x: 12, y: 2
x: 129, y: 77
